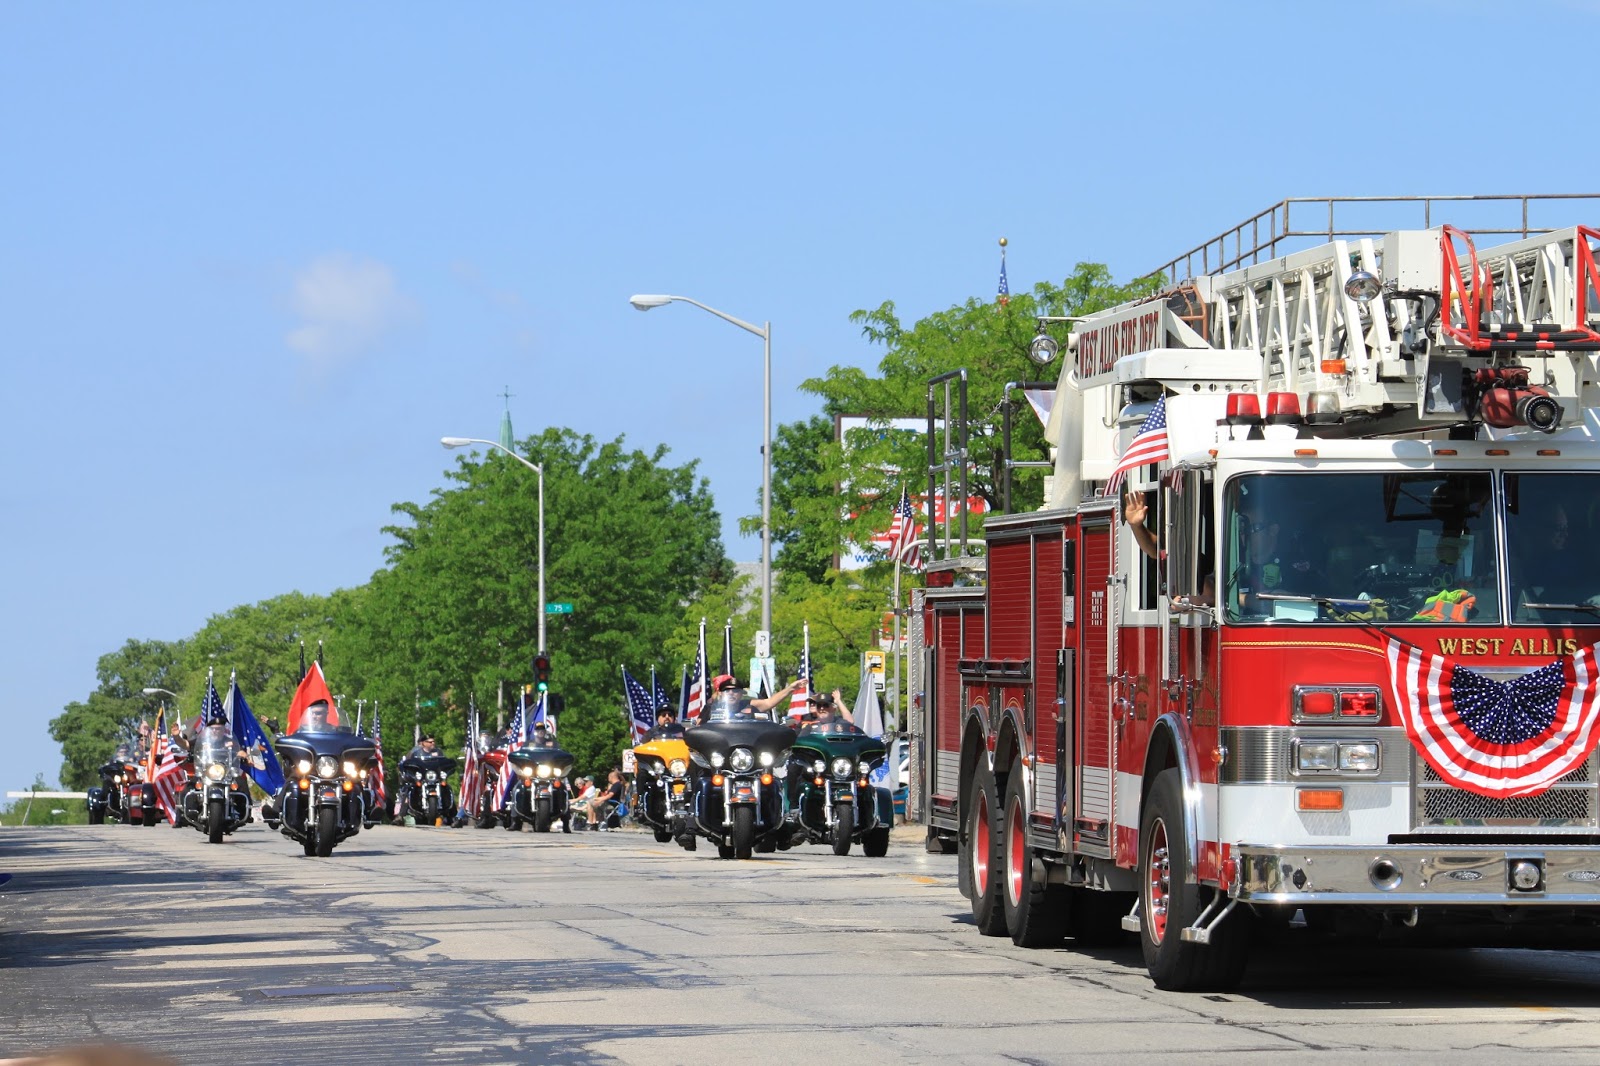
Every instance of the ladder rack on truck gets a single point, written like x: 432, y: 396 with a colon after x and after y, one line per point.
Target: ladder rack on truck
x: 1299, y: 661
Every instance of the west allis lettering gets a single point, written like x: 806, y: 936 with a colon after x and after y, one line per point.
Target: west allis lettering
x: 1099, y: 349
x: 1544, y: 647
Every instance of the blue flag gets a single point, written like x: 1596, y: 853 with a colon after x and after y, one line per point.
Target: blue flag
x: 253, y: 739
x: 660, y: 693
x: 539, y: 715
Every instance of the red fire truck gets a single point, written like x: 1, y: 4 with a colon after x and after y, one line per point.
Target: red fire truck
x: 1327, y: 653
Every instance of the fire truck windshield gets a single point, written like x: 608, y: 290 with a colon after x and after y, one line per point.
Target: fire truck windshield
x: 1550, y: 529
x: 1361, y: 547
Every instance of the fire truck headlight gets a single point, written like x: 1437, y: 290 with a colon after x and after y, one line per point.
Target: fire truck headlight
x: 1360, y: 756
x: 1316, y: 755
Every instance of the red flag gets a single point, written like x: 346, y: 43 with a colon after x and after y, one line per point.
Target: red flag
x: 312, y: 688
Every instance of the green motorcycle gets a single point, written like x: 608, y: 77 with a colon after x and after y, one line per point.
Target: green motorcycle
x: 832, y: 793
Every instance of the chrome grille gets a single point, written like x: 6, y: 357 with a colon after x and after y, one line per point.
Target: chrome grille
x: 1570, y: 804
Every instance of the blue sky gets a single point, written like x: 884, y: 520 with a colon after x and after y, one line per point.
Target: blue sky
x: 256, y: 259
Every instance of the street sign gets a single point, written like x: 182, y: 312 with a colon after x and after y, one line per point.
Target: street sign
x: 874, y: 661
x: 558, y: 608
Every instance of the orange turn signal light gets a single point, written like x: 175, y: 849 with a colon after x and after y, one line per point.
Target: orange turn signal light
x: 1319, y: 799
x: 304, y: 785
x: 766, y: 779
x: 716, y: 779
x: 817, y: 780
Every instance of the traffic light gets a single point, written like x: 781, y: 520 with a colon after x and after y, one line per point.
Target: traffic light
x: 541, y: 671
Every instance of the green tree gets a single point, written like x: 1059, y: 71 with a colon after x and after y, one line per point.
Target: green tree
x: 991, y: 343
x: 629, y: 541
x: 90, y: 730
x: 804, y: 538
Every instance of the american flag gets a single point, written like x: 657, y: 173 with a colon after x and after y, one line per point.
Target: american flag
x: 1004, y: 296
x: 507, y: 778
x: 641, y: 709
x: 169, y: 777
x: 696, y: 688
x: 660, y: 694
x: 802, y: 687
x: 375, y: 779
x: 1149, y: 445
x: 471, y: 786
x: 1497, y: 738
x: 903, y: 542
x: 213, y: 708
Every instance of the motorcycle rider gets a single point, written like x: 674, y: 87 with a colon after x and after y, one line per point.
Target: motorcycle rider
x: 667, y: 724
x: 747, y: 707
x: 315, y: 718
x: 827, y: 709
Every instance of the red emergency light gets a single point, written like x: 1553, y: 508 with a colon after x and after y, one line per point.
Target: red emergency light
x: 1244, y: 409
x: 1283, y: 409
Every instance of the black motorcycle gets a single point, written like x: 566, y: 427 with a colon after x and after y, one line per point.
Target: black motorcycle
x: 539, y: 793
x: 323, y: 801
x: 214, y: 803
x: 122, y: 795
x: 740, y: 755
x: 425, y: 791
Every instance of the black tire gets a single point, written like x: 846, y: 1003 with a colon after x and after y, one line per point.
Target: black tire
x: 327, y: 829
x: 97, y: 816
x: 310, y: 844
x: 1035, y: 912
x: 979, y: 853
x: 744, y: 831
x: 1168, y: 904
x: 662, y: 835
x: 216, y: 820
x: 844, y: 827
x: 430, y: 810
x: 724, y: 851
x: 542, y: 816
x: 486, y: 813
x: 875, y: 845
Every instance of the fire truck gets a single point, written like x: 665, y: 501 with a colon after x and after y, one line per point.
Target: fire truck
x: 1326, y: 654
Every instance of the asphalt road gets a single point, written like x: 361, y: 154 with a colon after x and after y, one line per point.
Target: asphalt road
x: 470, y: 946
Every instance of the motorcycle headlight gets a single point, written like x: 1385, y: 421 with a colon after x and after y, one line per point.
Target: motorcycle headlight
x: 304, y: 766
x: 679, y: 767
x: 349, y: 768
x: 556, y: 770
x: 741, y: 760
x: 216, y: 771
x: 327, y: 766
x: 544, y: 771
x: 864, y: 767
x: 432, y: 776
x: 818, y: 766
x: 116, y: 779
x: 841, y: 767
x: 717, y: 760
x: 766, y: 758
x: 363, y: 775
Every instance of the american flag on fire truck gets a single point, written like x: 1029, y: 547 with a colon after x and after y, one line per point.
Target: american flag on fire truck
x: 1497, y: 738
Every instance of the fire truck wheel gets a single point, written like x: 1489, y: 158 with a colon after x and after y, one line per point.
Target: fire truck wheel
x: 1169, y: 904
x: 979, y: 853
x: 1035, y: 912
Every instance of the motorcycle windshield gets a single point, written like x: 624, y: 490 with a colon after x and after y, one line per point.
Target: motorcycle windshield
x: 733, y: 706
x: 213, y: 749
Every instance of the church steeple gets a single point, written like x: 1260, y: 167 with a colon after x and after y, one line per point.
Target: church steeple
x: 505, y: 422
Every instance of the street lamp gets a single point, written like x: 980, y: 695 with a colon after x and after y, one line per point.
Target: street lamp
x: 764, y: 331
x: 537, y: 468
x: 159, y: 692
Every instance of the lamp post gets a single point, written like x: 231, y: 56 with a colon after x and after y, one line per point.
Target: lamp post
x: 764, y: 331
x: 159, y: 692
x: 537, y: 468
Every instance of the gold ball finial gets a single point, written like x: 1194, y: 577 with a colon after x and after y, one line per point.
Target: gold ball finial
x: 1002, y: 242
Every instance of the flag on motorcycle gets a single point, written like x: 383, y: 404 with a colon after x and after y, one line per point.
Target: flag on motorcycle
x: 541, y: 715
x: 165, y: 770
x: 313, y: 687
x: 1498, y: 738
x: 1149, y: 445
x: 375, y: 780
x: 503, y: 793
x: 249, y: 735
x: 802, y: 684
x: 868, y: 712
x: 727, y: 648
x: 471, y: 787
x: 658, y: 694
x: 695, y: 688
x: 641, y: 709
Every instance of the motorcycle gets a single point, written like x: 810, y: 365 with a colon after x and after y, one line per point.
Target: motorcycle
x: 425, y: 792
x: 323, y: 801
x: 831, y: 792
x: 665, y: 800
x: 739, y: 755
x: 214, y: 803
x: 123, y: 795
x: 539, y: 788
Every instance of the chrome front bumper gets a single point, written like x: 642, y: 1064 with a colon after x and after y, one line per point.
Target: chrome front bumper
x: 1416, y: 875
